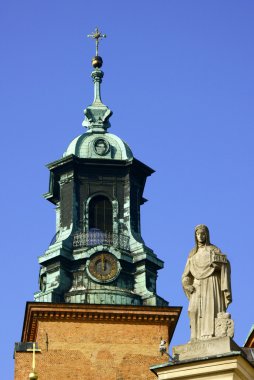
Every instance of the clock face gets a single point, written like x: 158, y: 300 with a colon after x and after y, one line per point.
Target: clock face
x: 103, y: 266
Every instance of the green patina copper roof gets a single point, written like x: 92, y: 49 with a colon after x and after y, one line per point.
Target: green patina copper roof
x: 99, y: 166
x: 85, y: 146
x: 96, y: 142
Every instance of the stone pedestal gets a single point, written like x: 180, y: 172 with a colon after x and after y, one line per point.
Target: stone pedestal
x: 204, y: 348
x: 231, y: 366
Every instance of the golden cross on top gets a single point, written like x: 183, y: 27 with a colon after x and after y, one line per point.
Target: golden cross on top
x: 97, y: 35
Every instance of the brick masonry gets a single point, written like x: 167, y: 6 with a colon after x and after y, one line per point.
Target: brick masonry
x: 118, y: 343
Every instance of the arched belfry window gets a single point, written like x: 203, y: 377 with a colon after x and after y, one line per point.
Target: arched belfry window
x: 100, y: 214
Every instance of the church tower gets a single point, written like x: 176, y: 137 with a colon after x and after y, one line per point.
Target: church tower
x: 97, y: 277
x: 98, y: 255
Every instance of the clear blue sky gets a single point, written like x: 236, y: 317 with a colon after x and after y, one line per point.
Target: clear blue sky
x: 179, y: 77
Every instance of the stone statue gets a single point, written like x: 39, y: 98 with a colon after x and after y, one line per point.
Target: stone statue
x: 206, y: 283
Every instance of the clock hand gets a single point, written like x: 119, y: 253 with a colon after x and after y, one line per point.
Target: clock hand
x: 103, y: 263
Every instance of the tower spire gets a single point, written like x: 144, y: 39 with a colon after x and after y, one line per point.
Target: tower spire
x: 98, y: 114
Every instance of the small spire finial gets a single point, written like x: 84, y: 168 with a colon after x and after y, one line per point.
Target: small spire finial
x: 97, y: 36
x: 98, y: 114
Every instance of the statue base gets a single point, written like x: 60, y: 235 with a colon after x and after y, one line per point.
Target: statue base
x: 203, y: 348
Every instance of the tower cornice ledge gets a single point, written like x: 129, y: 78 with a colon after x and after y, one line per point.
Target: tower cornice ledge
x: 44, y: 311
x: 94, y: 161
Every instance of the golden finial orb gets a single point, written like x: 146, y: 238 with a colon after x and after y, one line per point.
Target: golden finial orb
x: 97, y: 61
x: 33, y: 376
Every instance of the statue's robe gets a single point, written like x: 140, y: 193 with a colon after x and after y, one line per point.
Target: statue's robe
x: 212, y: 293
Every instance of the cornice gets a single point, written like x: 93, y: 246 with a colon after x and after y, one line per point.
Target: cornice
x: 43, y: 311
x: 71, y: 160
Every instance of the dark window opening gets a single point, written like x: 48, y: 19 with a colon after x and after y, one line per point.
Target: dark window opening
x: 100, y: 214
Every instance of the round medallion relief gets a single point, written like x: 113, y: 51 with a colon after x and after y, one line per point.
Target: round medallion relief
x: 101, y: 146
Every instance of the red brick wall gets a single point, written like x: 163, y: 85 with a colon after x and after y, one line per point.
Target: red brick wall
x: 94, y: 350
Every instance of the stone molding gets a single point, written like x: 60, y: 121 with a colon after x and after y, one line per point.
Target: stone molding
x: 232, y: 366
x: 37, y: 311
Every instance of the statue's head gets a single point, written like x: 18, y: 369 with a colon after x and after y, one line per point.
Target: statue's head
x: 202, y: 235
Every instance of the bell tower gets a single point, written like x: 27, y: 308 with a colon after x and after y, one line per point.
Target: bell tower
x: 98, y: 255
x: 97, y: 313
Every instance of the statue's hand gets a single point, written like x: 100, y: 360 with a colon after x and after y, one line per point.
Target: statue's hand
x: 190, y: 289
x: 216, y: 266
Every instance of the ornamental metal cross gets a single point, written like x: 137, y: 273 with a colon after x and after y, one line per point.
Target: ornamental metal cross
x: 97, y: 35
x: 33, y: 351
x: 33, y: 357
